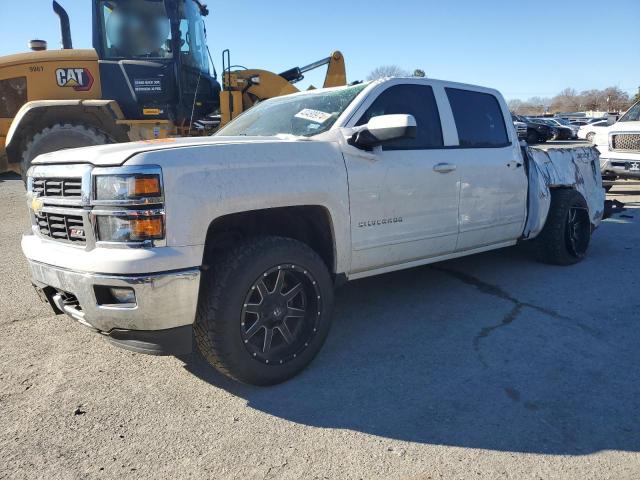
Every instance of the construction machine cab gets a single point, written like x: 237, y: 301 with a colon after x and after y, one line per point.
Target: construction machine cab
x: 148, y: 76
x: 154, y: 59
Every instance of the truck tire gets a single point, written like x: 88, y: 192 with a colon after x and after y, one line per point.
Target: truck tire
x: 59, y: 137
x: 590, y: 136
x: 264, y: 310
x: 564, y: 240
x: 532, y: 137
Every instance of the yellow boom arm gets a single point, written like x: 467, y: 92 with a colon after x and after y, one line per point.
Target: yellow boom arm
x: 242, y: 89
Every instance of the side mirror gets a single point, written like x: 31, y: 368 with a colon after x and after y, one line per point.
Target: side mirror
x: 384, y: 128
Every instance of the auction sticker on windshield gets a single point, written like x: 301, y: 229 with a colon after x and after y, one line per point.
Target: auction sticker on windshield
x: 316, y: 116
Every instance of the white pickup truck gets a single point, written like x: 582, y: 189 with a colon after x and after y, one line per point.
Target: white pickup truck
x: 619, y: 147
x: 237, y: 240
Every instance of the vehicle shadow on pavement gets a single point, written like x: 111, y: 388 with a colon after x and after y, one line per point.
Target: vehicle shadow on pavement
x: 531, y: 358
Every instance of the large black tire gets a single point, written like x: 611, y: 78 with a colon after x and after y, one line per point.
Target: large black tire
x: 564, y: 240
x: 532, y: 137
x: 59, y: 137
x: 233, y: 338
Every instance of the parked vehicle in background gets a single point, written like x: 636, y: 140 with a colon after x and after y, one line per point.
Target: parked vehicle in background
x: 521, y: 128
x: 237, y: 240
x: 588, y: 131
x: 562, y: 123
x: 536, y: 132
x: 619, y: 146
x: 596, y: 120
x: 559, y: 132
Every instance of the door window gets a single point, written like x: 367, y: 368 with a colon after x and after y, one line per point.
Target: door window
x: 478, y: 118
x: 416, y: 100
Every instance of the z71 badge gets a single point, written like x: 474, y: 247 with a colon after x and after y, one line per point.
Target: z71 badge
x: 80, y: 79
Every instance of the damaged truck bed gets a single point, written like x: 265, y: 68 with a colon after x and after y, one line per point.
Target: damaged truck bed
x: 573, y: 168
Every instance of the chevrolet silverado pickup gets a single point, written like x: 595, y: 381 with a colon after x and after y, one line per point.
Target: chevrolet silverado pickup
x: 235, y: 242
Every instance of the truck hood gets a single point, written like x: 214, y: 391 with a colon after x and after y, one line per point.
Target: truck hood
x: 624, y: 127
x: 117, y: 154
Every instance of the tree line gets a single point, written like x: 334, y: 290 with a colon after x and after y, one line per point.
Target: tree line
x: 611, y: 99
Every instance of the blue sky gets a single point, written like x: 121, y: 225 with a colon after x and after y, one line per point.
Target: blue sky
x: 524, y: 49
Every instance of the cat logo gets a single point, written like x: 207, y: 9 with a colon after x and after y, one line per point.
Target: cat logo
x: 80, y: 79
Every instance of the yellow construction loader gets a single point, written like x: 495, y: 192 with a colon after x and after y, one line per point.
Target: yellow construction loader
x: 149, y: 76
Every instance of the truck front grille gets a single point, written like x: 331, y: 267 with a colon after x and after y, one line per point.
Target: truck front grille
x: 62, y: 227
x: 57, y: 187
x: 629, y: 142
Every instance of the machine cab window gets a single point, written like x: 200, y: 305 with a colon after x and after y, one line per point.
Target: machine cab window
x: 142, y: 30
x: 193, y: 37
x: 135, y: 30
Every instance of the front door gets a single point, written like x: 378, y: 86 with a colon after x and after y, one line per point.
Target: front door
x: 404, y: 197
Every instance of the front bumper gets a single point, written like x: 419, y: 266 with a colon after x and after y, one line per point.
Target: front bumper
x: 159, y: 322
x: 620, y: 168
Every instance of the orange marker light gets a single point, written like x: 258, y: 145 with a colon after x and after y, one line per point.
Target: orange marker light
x: 147, y: 228
x: 146, y: 187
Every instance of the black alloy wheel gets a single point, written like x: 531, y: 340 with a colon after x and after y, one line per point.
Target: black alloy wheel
x: 577, y: 231
x: 566, y: 235
x: 264, y: 309
x: 281, y: 313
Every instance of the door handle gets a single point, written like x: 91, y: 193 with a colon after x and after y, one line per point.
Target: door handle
x: 444, y: 167
x: 514, y: 164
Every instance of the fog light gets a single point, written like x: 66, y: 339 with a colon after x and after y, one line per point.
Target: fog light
x: 123, y: 295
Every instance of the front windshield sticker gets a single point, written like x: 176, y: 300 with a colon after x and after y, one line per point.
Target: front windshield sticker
x: 316, y: 116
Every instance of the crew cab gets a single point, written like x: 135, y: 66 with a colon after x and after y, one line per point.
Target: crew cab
x: 236, y: 241
x: 619, y: 147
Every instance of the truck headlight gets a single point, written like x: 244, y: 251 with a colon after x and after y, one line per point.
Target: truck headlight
x: 128, y: 205
x: 130, y: 228
x: 127, y: 187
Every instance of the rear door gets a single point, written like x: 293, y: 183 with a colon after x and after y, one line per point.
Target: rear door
x: 493, y: 191
x: 402, y: 208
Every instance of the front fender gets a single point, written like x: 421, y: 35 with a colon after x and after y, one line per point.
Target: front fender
x: 206, y: 182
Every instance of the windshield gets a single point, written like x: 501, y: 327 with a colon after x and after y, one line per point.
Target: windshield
x: 632, y: 115
x: 562, y: 121
x: 304, y: 114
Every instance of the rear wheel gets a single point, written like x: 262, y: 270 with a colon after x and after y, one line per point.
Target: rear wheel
x: 59, y: 137
x: 565, y: 237
x: 591, y: 136
x: 264, y: 310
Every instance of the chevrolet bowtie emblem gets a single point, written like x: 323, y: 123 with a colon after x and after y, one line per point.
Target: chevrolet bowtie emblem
x: 37, y: 204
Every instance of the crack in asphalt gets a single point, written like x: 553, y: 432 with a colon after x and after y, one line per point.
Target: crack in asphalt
x: 513, y: 314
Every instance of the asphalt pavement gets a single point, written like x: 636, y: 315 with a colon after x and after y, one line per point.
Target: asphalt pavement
x: 491, y: 366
